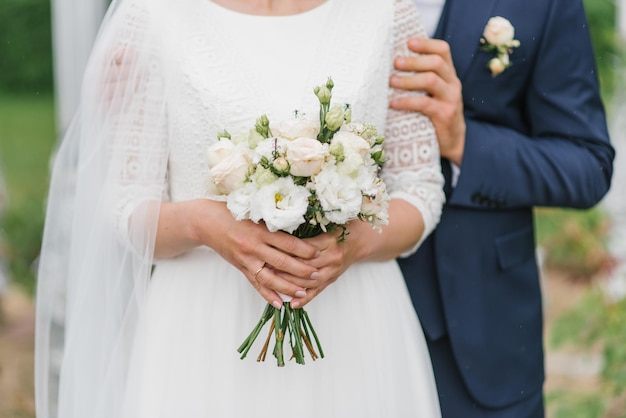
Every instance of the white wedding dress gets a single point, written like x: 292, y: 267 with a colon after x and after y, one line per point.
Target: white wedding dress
x: 223, y: 70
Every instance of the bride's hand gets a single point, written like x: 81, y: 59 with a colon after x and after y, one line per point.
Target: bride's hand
x: 250, y: 247
x: 335, y: 257
x: 362, y: 242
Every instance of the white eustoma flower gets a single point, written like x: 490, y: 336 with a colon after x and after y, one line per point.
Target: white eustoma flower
x: 282, y: 205
x: 238, y: 201
x: 296, y: 128
x: 365, y: 178
x: 375, y: 204
x: 339, y: 195
x: 306, y: 156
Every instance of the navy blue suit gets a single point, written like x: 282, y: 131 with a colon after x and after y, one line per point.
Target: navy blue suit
x: 536, y: 136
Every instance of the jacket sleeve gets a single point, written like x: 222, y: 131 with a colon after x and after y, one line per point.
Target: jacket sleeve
x: 560, y: 153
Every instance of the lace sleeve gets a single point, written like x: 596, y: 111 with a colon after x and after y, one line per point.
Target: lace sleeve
x: 134, y: 122
x: 413, y: 169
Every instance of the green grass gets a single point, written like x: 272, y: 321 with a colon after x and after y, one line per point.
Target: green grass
x: 27, y: 138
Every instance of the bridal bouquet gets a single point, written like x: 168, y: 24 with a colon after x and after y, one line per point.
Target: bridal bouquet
x: 304, y: 177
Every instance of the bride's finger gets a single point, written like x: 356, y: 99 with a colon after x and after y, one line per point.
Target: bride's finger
x: 279, y: 260
x: 306, y: 283
x: 269, y: 283
x: 292, y: 245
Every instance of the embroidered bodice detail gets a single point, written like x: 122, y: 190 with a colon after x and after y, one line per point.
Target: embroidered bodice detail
x: 223, y: 69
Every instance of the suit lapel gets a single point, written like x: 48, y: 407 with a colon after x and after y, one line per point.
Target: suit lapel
x: 461, y: 25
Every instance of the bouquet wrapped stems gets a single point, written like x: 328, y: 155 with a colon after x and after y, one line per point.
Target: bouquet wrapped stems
x: 296, y: 322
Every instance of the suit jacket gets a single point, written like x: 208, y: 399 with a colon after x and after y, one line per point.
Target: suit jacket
x: 536, y: 136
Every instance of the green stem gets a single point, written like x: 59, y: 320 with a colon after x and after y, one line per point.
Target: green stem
x: 317, y: 341
x: 247, y: 344
x: 280, y: 338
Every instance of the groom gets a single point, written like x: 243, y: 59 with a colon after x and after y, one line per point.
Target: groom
x: 532, y: 133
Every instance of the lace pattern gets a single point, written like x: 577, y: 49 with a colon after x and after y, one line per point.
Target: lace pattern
x: 413, y: 170
x: 213, y: 85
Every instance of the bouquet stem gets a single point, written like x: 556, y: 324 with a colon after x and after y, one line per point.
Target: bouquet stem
x: 296, y: 322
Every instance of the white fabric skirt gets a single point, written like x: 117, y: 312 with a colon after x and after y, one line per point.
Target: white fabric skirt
x: 199, y: 309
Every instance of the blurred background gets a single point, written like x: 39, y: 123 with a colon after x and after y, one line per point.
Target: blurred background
x: 43, y: 49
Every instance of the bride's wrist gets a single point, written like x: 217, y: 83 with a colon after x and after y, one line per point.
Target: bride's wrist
x: 363, y: 246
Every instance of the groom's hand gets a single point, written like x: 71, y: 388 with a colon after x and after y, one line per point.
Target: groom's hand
x: 432, y: 71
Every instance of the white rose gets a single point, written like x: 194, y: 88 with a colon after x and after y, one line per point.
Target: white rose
x: 499, y: 31
x: 295, y: 128
x: 281, y: 205
x: 231, y: 173
x: 306, y: 156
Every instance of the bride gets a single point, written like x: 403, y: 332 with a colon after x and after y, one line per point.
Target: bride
x: 158, y: 284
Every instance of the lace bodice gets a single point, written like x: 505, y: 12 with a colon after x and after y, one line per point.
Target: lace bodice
x: 223, y: 69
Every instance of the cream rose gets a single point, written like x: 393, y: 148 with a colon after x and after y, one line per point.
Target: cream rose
x: 296, y: 128
x: 499, y: 31
x: 306, y: 156
x: 219, y: 151
x: 231, y: 173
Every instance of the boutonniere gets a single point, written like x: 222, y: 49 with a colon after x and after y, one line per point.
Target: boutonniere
x: 498, y: 37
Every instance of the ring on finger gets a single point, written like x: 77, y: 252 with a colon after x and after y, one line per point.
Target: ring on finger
x: 256, y: 273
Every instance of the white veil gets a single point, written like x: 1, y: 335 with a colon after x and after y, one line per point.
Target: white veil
x: 107, y: 181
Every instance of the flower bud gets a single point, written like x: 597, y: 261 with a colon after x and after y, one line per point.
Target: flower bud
x: 263, y: 176
x: 323, y: 94
x: 223, y: 134
x: 496, y: 66
x: 281, y: 166
x: 336, y: 149
x: 347, y: 114
x: 263, y: 126
x: 334, y: 118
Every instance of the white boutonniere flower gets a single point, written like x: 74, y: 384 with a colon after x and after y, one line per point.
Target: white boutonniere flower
x: 498, y: 37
